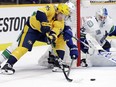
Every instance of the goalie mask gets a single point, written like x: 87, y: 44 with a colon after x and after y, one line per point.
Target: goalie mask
x: 101, y: 14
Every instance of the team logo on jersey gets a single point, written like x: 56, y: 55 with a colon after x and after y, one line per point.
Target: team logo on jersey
x: 47, y: 8
x: 30, y: 42
x: 90, y: 23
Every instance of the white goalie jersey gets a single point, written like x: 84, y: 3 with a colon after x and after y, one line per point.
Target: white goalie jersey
x: 98, y: 30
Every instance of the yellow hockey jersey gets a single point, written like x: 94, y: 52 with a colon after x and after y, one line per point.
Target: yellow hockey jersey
x: 58, y: 27
x: 49, y: 11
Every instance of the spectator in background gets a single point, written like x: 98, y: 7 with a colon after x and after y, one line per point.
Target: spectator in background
x: 34, y: 1
x: 45, y: 1
x: 56, y: 1
x: 24, y: 2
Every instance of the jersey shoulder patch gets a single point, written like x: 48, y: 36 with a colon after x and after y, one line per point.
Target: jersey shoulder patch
x: 47, y: 7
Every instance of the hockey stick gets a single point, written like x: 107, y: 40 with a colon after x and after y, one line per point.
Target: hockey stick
x: 70, y: 67
x: 62, y: 66
x: 81, y: 41
x: 89, y: 41
x: 93, y: 42
x: 108, y: 55
x: 95, y: 45
x: 63, y: 70
x: 66, y: 76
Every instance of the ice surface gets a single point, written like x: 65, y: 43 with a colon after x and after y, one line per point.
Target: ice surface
x: 29, y: 74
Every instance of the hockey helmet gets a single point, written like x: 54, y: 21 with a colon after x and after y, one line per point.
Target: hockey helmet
x: 63, y: 8
x: 101, y: 14
x: 71, y: 6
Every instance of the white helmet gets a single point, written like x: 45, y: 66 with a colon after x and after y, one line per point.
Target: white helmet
x: 101, y: 14
x: 71, y: 6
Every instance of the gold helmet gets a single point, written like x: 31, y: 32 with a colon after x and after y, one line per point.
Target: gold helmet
x: 63, y: 8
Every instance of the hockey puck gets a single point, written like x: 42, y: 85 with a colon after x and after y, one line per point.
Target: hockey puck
x: 92, y: 79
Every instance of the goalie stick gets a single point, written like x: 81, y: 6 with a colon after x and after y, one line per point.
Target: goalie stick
x: 95, y: 45
x: 108, y: 55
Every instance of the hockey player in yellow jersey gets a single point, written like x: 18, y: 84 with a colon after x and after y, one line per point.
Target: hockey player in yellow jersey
x: 45, y: 25
x: 64, y: 39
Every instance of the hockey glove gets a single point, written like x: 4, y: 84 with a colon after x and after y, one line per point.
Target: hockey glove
x: 67, y: 33
x: 45, y: 27
x: 74, y: 52
x: 51, y: 37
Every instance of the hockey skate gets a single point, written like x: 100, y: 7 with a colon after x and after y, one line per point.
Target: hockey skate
x: 57, y: 67
x: 84, y: 63
x: 7, y: 69
x: 57, y: 63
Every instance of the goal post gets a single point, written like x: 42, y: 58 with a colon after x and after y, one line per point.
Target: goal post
x: 78, y: 30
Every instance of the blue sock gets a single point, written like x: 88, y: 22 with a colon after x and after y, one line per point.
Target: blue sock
x: 12, y: 60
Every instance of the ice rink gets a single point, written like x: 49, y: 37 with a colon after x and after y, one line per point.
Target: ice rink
x: 29, y: 74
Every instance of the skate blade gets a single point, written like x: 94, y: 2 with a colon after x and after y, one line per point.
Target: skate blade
x: 59, y: 70
x: 8, y: 72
